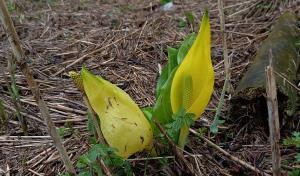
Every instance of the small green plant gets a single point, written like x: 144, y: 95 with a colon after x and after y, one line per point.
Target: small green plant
x: 91, y: 129
x: 189, y: 19
x: 163, y: 2
x: 3, y: 116
x: 88, y: 163
x: 202, y: 131
x: 61, y: 131
x: 66, y: 130
x: 295, y: 141
x: 11, y: 5
x: 182, y: 118
x: 14, y: 93
x: 264, y: 5
x: 294, y: 172
x: 182, y: 23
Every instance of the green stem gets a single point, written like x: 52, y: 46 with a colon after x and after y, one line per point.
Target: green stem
x: 214, y: 125
x: 186, y: 102
x: 184, y: 132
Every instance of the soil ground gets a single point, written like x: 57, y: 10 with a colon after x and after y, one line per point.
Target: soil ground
x: 125, y: 42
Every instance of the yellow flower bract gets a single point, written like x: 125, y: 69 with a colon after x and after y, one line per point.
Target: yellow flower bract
x: 194, y: 79
x: 123, y: 124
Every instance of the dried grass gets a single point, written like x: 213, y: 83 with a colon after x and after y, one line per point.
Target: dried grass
x: 56, y: 34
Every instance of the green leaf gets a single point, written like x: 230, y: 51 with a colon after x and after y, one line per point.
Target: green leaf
x: 294, y: 140
x: 214, y: 127
x: 172, y: 59
x: 15, y: 90
x: 83, y: 161
x: 91, y: 129
x: 97, y: 169
x: 180, y: 119
x: 167, y: 70
x: 163, y: 2
x: 88, y: 163
x: 162, y: 109
x: 103, y: 150
x: 297, y: 157
x: 85, y: 173
x: 182, y: 23
x: 90, y: 124
x: 202, y: 131
x: 61, y: 131
x: 294, y: 172
x: 190, y: 17
x: 162, y: 79
x: 185, y: 47
x: 148, y: 111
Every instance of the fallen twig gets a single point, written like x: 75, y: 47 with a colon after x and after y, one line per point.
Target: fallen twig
x: 104, y: 168
x: 241, y: 162
x: 176, y: 150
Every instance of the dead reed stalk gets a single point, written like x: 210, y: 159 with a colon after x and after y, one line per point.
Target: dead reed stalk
x: 273, y: 118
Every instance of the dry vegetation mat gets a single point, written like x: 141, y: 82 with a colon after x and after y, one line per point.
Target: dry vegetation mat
x: 126, y: 43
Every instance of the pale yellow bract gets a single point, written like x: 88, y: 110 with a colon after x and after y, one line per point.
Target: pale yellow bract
x: 123, y: 124
x: 193, y: 81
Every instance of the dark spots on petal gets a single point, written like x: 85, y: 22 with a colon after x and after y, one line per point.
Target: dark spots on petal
x: 109, y: 101
x: 135, y: 124
x: 116, y: 100
x: 113, y: 126
x: 123, y: 118
x: 142, y: 139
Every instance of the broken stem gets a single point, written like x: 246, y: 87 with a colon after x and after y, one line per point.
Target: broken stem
x: 273, y: 118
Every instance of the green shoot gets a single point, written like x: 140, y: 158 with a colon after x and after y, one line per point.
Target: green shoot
x: 294, y: 172
x: 11, y: 6
x: 3, y: 116
x: 182, y: 118
x: 190, y: 18
x: 163, y: 2
x: 91, y: 129
x: 182, y: 23
x: 294, y: 140
x: 88, y: 162
x: 14, y: 93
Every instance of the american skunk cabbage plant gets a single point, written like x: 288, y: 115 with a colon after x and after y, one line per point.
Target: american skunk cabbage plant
x: 186, y: 82
x: 183, y: 91
x: 193, y: 81
x: 122, y: 123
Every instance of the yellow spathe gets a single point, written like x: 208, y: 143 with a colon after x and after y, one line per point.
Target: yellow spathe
x: 193, y: 81
x: 123, y: 124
